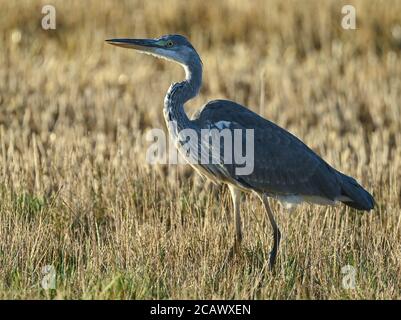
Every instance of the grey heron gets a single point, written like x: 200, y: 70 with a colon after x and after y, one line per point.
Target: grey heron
x: 284, y: 167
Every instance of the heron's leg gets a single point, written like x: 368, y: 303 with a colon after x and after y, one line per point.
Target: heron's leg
x: 276, y: 231
x: 236, y: 196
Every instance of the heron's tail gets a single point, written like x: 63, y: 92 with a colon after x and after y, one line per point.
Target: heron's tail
x: 356, y: 196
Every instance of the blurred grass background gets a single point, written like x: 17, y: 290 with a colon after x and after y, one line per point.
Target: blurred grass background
x: 77, y: 194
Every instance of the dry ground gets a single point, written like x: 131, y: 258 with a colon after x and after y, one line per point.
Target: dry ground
x: 77, y: 194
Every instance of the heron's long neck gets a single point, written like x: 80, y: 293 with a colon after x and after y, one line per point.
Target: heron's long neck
x: 181, y: 92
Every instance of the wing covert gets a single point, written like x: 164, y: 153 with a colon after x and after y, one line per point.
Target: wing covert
x: 283, y: 164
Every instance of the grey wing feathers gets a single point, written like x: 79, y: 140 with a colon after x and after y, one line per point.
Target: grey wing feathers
x: 283, y: 164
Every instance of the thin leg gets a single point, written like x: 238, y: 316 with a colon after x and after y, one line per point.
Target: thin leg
x: 276, y: 231
x: 236, y: 196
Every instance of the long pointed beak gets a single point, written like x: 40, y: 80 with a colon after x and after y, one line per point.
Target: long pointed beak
x: 145, y: 45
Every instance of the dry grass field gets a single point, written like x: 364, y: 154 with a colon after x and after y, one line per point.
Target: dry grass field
x: 76, y: 192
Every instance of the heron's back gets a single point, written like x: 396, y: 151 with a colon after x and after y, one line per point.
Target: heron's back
x: 283, y: 165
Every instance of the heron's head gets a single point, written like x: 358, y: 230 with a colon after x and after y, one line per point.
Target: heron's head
x: 172, y: 47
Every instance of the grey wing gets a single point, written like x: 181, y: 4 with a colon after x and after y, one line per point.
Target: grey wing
x: 283, y: 164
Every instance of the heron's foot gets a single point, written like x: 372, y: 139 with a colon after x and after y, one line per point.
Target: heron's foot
x: 235, y: 249
x: 273, y: 253
x: 272, y: 259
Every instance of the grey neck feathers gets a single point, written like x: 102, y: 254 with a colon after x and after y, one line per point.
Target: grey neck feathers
x: 179, y: 93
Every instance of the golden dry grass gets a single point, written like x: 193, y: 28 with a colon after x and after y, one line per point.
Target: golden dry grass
x: 76, y: 192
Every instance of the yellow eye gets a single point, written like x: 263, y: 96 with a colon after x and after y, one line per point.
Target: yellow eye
x: 169, y: 43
